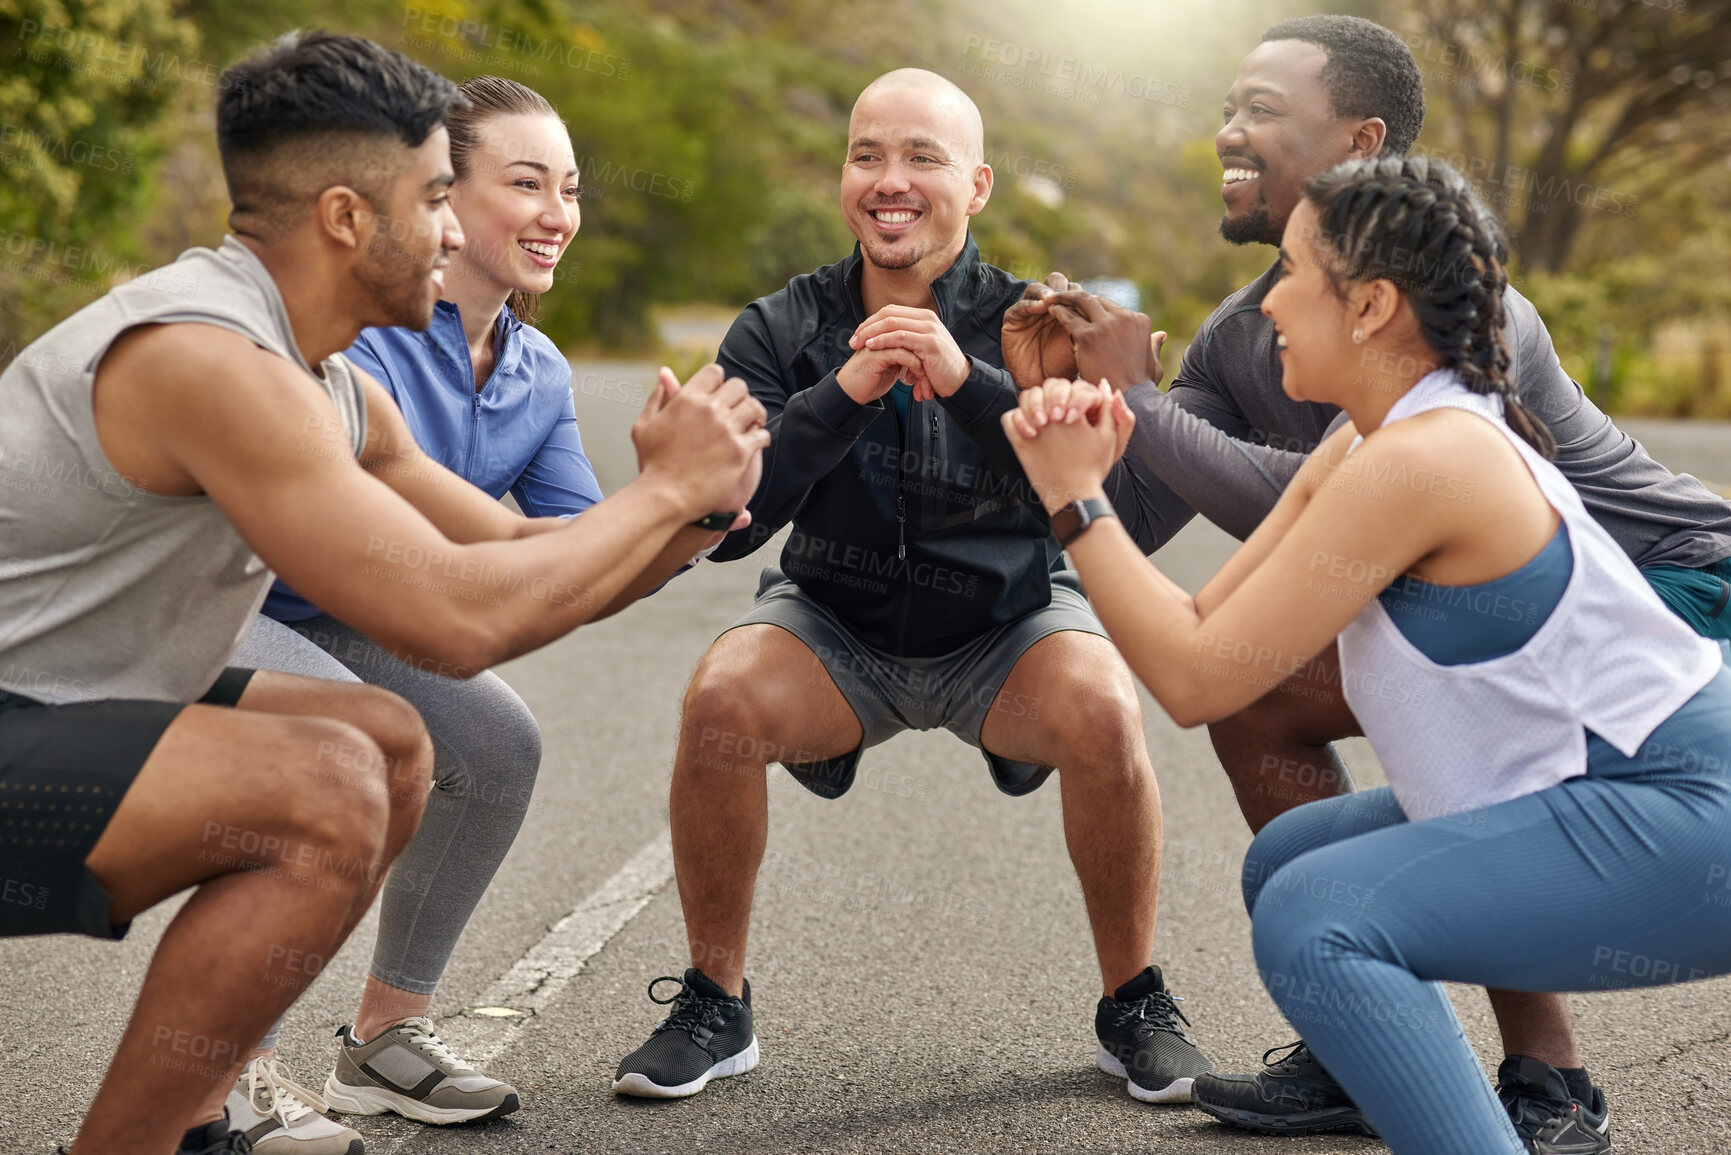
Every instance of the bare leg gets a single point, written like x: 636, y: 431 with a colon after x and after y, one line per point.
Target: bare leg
x: 286, y: 852
x: 1089, y: 726
x: 1276, y: 751
x: 384, y: 1006
x: 759, y: 696
x: 1277, y: 754
x: 1535, y: 1025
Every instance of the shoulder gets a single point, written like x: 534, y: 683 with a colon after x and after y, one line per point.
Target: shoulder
x: 148, y: 349
x: 789, y: 318
x: 170, y: 366
x: 997, y: 289
x: 381, y: 350
x: 1444, y: 452
x: 1237, y: 318
x: 546, y: 365
x: 1524, y: 330
x: 1243, y: 302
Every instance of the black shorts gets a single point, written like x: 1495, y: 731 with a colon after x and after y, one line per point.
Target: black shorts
x: 63, y: 771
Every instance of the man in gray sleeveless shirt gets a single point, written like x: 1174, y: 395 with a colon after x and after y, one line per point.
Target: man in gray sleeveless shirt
x: 1225, y: 440
x: 169, y: 447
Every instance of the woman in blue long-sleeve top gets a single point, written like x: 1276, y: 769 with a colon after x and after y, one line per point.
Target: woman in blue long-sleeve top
x: 488, y: 396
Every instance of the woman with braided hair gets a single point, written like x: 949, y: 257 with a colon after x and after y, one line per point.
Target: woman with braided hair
x: 1540, y: 714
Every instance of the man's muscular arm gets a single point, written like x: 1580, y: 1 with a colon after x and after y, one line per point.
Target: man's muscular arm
x: 1188, y: 450
x: 354, y: 545
x: 465, y: 514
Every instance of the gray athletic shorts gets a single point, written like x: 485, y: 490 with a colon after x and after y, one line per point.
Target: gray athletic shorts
x: 890, y: 694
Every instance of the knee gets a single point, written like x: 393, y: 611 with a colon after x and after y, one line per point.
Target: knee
x: 1286, y: 931
x: 401, y: 735
x: 1306, y: 919
x: 719, y: 696
x: 1270, y: 722
x: 334, y: 792
x: 728, y: 721
x: 1098, y: 723
x: 493, y: 751
x: 1266, y: 856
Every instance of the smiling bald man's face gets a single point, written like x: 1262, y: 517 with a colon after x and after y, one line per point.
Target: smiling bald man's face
x: 913, y: 175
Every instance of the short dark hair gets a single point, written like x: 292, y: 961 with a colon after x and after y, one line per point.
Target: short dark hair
x: 332, y: 106
x: 1370, y: 72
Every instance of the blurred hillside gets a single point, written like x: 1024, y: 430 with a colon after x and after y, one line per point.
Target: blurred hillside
x: 710, y: 135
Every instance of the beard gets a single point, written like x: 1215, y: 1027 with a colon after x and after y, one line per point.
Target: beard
x: 1254, y: 227
x: 397, y: 278
x: 892, y: 257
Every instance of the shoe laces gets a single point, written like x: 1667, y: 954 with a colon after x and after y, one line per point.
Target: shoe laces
x: 1154, y: 1011
x: 691, y: 1011
x: 1297, y: 1055
x: 289, y: 1102
x: 423, y: 1037
x: 1529, y: 1111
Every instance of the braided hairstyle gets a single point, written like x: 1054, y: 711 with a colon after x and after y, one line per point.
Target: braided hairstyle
x: 1416, y: 222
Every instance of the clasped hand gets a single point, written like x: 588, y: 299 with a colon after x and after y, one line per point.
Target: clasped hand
x: 1059, y: 330
x: 706, y: 439
x: 907, y: 344
x: 1067, y: 435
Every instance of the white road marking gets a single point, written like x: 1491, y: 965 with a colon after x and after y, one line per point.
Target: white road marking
x: 535, y: 981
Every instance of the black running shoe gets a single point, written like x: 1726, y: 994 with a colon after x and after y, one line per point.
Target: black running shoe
x: 1548, y: 1120
x: 215, y: 1139
x: 1143, y: 1040
x: 1293, y: 1095
x: 707, y: 1036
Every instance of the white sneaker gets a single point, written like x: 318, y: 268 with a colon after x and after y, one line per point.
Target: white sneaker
x: 281, y: 1117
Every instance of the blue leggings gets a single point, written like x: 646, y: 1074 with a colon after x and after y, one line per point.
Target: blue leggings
x: 1619, y: 878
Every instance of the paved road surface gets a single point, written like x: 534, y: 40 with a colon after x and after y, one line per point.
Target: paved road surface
x: 921, y: 964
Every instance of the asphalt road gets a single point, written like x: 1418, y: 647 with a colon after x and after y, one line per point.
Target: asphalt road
x: 921, y: 965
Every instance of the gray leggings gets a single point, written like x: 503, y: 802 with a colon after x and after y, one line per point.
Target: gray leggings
x: 487, y: 750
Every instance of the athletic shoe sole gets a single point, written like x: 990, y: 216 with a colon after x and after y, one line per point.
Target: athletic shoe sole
x: 1334, y: 1120
x: 1177, y: 1091
x: 639, y: 1085
x: 349, y: 1100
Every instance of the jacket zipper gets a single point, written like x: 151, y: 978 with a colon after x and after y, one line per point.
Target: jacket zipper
x: 905, y: 430
x: 474, y: 435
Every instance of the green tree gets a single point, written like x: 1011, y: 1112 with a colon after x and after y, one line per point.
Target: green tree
x: 83, y: 98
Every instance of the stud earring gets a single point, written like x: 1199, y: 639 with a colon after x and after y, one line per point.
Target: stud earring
x: 1358, y: 336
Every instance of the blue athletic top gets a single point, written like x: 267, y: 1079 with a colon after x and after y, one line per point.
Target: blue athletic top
x: 1454, y: 625
x: 518, y: 434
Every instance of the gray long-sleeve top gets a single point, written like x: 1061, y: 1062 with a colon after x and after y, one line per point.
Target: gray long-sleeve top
x: 1225, y: 440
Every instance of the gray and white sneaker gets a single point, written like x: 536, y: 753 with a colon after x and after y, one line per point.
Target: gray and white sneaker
x: 409, y: 1070
x: 281, y: 1117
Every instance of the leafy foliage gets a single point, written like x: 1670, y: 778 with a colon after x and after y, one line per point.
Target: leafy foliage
x: 710, y: 134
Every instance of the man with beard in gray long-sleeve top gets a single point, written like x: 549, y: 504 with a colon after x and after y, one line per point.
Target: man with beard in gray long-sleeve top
x: 1225, y: 440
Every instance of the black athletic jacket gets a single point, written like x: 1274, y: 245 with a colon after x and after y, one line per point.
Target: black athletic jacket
x: 919, y: 538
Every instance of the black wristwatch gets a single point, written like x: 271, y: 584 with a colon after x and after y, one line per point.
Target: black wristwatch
x: 715, y: 521
x: 1069, y: 522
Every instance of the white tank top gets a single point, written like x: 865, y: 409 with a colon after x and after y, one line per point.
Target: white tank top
x: 1611, y: 658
